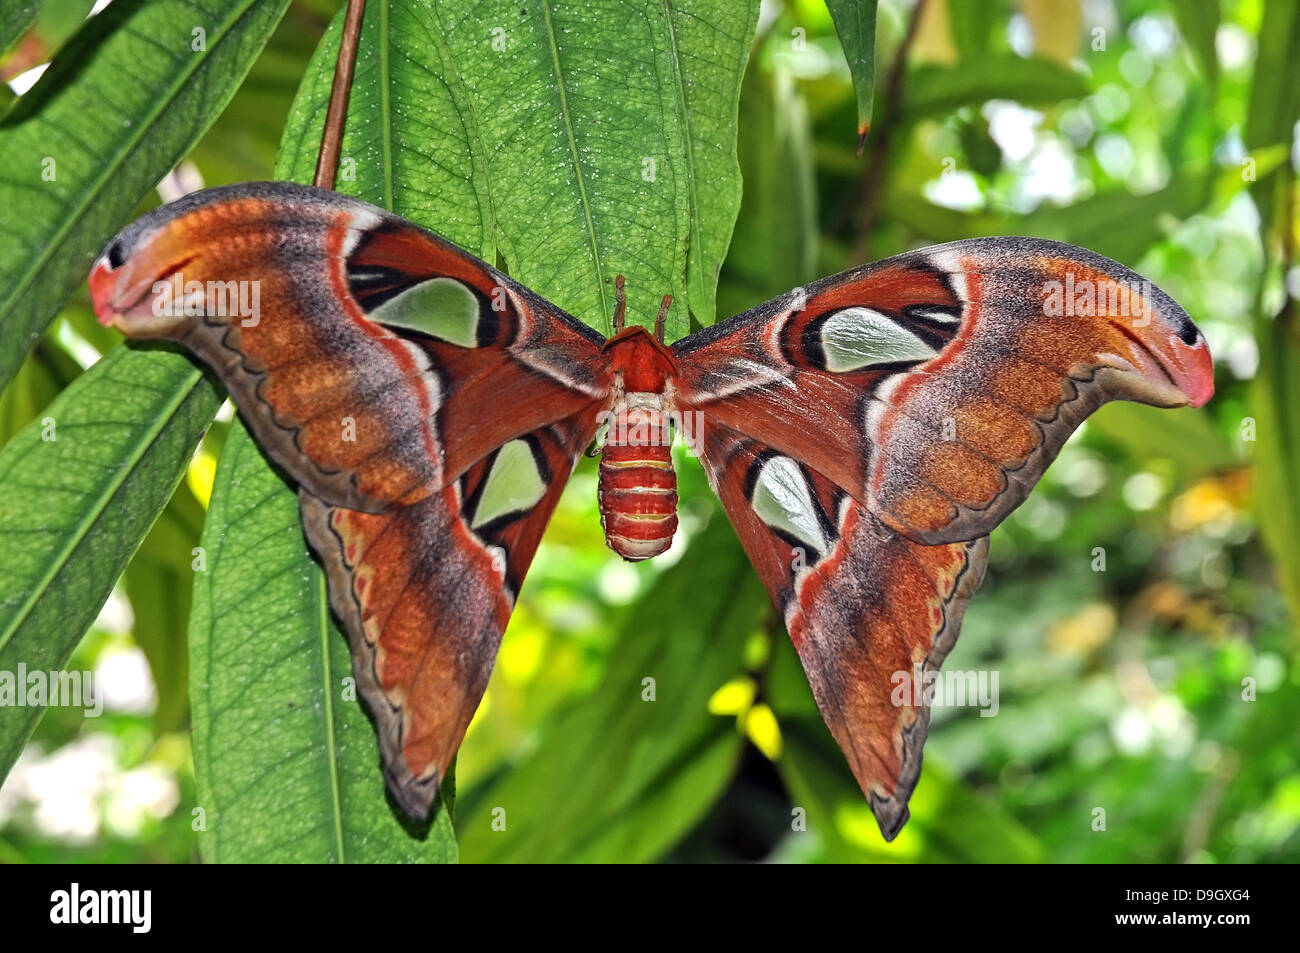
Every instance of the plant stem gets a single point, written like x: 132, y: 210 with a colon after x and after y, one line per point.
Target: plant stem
x: 327, y: 163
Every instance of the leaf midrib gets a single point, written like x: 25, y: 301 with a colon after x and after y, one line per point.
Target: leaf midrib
x: 695, y: 226
x: 386, y: 105
x: 562, y: 91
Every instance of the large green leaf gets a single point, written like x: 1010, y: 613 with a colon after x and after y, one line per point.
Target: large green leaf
x: 410, y: 143
x: 710, y: 48
x: 1274, y: 94
x: 525, y: 153
x: 121, y: 104
x: 83, y: 484
x: 619, y: 779
x: 1276, y: 408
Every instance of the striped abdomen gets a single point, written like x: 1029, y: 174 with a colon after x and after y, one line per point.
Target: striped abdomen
x: 638, y: 487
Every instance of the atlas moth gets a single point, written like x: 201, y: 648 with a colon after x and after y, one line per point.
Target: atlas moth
x: 865, y: 434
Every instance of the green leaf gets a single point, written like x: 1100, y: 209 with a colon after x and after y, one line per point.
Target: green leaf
x: 855, y: 22
x: 933, y: 90
x: 82, y: 487
x: 121, y: 104
x: 617, y: 778
x: 410, y: 143
x: 1274, y: 95
x: 1275, y: 403
x: 578, y: 114
x: 285, y: 758
x: 972, y: 29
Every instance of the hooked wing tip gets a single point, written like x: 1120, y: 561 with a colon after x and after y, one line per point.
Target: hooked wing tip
x: 414, y: 796
x: 1196, y: 378
x: 891, y: 815
x: 102, y: 286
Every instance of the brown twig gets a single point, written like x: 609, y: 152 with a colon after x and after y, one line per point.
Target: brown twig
x: 331, y: 140
x: 873, y: 179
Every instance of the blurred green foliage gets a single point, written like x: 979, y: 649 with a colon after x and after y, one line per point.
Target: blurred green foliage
x: 1162, y: 690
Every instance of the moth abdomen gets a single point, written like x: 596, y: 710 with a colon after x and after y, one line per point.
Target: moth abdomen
x: 638, y: 485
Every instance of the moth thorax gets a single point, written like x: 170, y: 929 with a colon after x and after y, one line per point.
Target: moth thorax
x: 638, y: 487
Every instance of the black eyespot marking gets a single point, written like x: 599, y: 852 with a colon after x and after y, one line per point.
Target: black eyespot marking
x: 1188, y: 333
x: 811, y: 341
x: 116, y: 255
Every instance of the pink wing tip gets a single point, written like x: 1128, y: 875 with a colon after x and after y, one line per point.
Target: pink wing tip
x: 1195, y: 377
x: 101, y: 286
